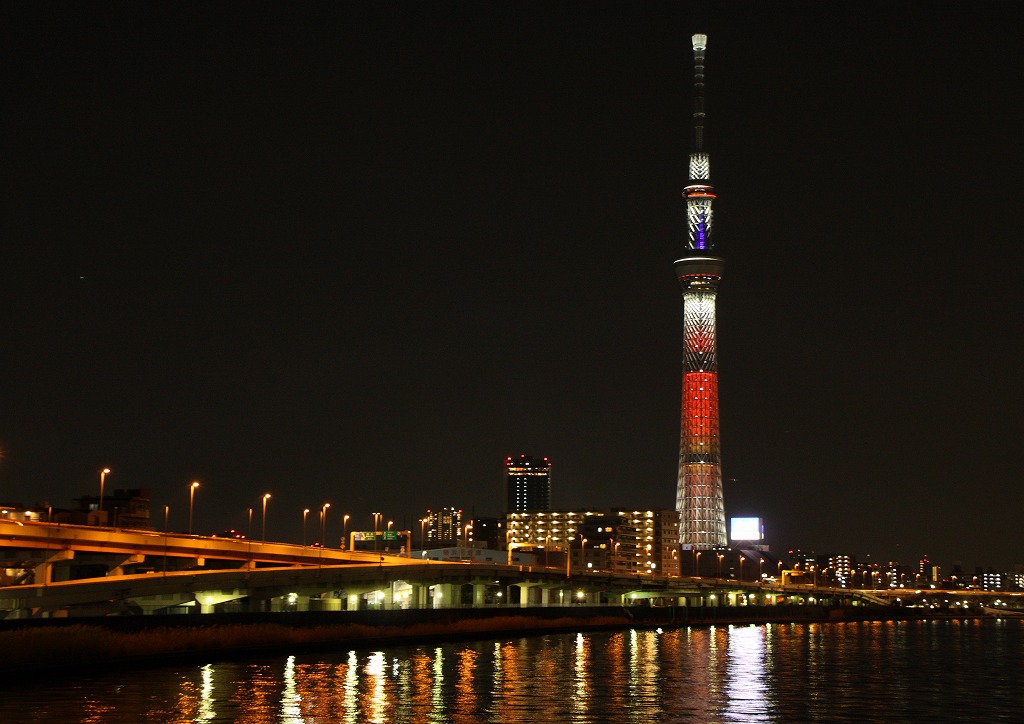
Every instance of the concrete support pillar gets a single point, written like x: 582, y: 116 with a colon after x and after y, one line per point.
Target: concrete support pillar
x: 42, y: 572
x: 545, y: 597
x: 417, y: 592
x: 524, y: 594
x: 445, y: 596
x: 479, y: 590
x: 117, y: 569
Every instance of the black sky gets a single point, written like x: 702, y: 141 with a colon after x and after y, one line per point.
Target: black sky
x: 360, y: 253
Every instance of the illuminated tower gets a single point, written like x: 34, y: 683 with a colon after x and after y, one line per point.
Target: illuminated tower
x: 699, y: 487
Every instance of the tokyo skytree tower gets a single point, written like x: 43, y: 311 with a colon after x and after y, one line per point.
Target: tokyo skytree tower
x: 699, y: 487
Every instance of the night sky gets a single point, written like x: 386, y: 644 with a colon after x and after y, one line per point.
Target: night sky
x: 360, y: 252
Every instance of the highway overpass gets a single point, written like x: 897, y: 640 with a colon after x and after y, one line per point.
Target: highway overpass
x: 64, y: 570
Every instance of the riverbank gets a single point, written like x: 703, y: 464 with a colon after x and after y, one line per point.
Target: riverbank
x: 31, y: 647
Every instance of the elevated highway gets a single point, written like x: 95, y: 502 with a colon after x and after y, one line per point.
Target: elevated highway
x: 35, y: 539
x: 139, y: 572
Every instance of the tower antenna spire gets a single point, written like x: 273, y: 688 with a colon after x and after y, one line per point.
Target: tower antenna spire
x: 700, y: 44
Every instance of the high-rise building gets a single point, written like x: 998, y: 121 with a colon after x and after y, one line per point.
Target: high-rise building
x: 699, y: 497
x: 840, y: 568
x: 647, y: 542
x: 558, y: 528
x: 487, y: 532
x: 618, y: 540
x: 527, y: 484
x: 444, y: 527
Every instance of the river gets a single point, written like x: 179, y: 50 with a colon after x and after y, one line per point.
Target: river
x: 837, y: 672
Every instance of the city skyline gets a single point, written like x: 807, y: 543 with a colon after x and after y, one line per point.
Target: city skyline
x: 358, y: 255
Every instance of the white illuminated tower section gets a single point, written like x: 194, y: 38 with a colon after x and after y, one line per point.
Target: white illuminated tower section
x: 699, y: 488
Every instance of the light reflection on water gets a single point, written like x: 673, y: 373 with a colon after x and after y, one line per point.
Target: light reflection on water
x: 778, y: 672
x: 745, y: 686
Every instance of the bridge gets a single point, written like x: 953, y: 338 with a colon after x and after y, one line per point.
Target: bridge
x: 56, y: 570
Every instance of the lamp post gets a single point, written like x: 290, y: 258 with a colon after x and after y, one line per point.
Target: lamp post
x: 696, y: 564
x: 323, y: 523
x: 305, y: 512
x: 423, y: 534
x: 376, y: 524
x: 248, y: 531
x: 760, y: 570
x: 266, y: 497
x: 191, y: 502
x: 568, y: 555
x: 583, y: 555
x: 167, y: 517
x: 720, y: 557
x: 344, y: 531
x: 103, y: 478
x: 741, y: 568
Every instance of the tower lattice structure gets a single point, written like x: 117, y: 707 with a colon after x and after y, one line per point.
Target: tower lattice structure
x: 699, y: 498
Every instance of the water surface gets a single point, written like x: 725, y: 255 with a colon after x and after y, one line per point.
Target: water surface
x: 858, y: 671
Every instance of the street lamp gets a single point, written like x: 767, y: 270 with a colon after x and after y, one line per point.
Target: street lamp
x: 191, y: 502
x: 423, y: 534
x: 305, y: 512
x: 720, y: 557
x: 376, y: 524
x: 344, y: 531
x: 266, y: 497
x: 323, y: 523
x: 696, y: 563
x: 167, y: 517
x: 103, y: 477
x: 741, y: 568
x: 760, y: 570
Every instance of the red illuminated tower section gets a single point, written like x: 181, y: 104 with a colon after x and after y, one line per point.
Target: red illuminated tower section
x: 699, y: 497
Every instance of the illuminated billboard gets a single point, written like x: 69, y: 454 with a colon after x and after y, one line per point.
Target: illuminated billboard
x: 744, y: 529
